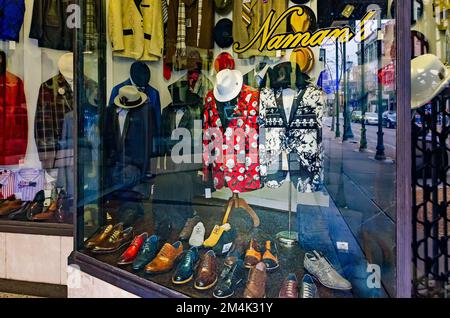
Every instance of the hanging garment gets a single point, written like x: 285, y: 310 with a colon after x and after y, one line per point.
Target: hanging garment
x: 7, y: 179
x: 249, y: 16
x: 28, y: 182
x: 130, y: 161
x: 298, y: 139
x: 238, y: 164
x: 198, y: 27
x: 11, y: 19
x: 136, y: 29
x: 13, y: 120
x: 54, y: 102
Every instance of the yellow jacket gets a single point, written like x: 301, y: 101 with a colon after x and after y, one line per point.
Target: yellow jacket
x: 136, y: 33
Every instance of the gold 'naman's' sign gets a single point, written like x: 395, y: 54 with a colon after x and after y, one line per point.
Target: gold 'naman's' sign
x: 286, y: 41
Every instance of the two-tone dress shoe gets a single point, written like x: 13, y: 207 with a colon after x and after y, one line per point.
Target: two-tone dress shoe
x: 253, y: 254
x: 119, y: 238
x: 230, y: 279
x: 132, y: 251
x: 206, y: 276
x: 165, y: 260
x: 270, y: 256
x: 186, y: 267
x: 37, y: 205
x: 53, y: 211
x: 147, y: 253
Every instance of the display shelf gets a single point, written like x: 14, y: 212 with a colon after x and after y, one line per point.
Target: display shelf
x: 33, y: 228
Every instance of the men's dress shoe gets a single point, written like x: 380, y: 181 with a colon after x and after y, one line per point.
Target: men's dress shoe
x: 198, y: 235
x: 256, y: 284
x: 289, y: 288
x: 99, y: 237
x: 188, y: 228
x: 119, y: 238
x: 216, y: 233
x: 309, y: 288
x: 165, y: 260
x: 236, y: 253
x: 10, y: 206
x: 206, y: 276
x: 51, y: 212
x: 132, y: 251
x: 147, y: 253
x: 185, y: 269
x: 252, y: 255
x: 225, y: 242
x: 21, y: 214
x: 37, y: 206
x: 320, y: 268
x: 270, y: 256
x: 230, y: 279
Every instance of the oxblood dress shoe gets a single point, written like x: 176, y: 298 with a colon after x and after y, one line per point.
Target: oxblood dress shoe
x: 206, y: 276
x: 165, y: 260
x: 189, y: 227
x: 9, y: 206
x: 185, y: 269
x: 132, y: 251
x: 119, y: 238
x: 270, y: 256
x: 230, y: 279
x: 256, y: 284
x: 99, y: 237
x: 147, y: 253
x: 37, y: 206
x: 236, y: 253
x: 253, y: 255
x: 289, y: 289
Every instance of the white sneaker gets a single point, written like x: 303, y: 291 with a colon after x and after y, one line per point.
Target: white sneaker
x: 198, y: 235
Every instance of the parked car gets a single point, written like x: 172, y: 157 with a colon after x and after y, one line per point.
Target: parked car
x: 371, y: 119
x: 356, y: 116
x: 390, y: 119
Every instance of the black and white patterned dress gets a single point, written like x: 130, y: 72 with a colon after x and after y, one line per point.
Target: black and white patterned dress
x: 298, y: 137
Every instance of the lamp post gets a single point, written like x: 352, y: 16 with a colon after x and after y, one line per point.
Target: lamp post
x: 338, y: 129
x: 363, y: 99
x: 348, y: 133
x: 380, y: 155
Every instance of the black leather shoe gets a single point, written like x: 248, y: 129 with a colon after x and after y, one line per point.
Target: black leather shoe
x: 20, y: 215
x: 230, y: 279
x: 185, y: 269
x: 37, y: 206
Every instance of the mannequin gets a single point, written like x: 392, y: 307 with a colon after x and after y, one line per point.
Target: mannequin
x: 65, y: 66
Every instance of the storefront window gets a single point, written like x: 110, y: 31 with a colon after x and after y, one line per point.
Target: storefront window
x: 218, y: 166
x: 36, y: 104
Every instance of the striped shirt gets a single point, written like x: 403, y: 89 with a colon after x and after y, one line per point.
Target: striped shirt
x: 28, y: 183
x: 6, y: 184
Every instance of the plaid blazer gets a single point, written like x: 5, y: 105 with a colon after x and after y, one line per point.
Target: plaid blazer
x: 12, y: 13
x: 54, y: 102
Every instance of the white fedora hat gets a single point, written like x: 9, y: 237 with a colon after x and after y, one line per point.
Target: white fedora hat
x: 130, y: 97
x: 229, y: 85
x: 429, y: 77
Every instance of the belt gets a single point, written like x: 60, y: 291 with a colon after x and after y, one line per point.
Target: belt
x: 130, y: 32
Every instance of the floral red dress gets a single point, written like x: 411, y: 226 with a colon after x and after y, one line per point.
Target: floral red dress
x: 232, y: 151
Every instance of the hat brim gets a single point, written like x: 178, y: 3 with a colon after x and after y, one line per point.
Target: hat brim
x: 119, y: 104
x: 232, y: 94
x: 426, y: 99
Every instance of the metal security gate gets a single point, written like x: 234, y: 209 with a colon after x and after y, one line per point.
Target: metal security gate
x: 431, y: 198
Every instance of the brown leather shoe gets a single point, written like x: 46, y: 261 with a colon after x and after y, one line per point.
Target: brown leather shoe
x: 119, y: 238
x: 9, y: 206
x: 206, y: 271
x: 256, y: 284
x: 47, y: 215
x: 189, y: 227
x: 253, y: 255
x: 99, y: 237
x: 165, y: 260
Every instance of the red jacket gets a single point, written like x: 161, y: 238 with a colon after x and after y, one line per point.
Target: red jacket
x: 13, y: 120
x: 232, y: 149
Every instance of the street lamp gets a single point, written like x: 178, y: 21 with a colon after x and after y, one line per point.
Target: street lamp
x: 338, y: 129
x: 363, y: 99
x: 348, y: 133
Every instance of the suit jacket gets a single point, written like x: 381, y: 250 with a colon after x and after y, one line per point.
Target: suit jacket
x: 206, y: 40
x: 235, y: 160
x: 136, y: 29
x: 55, y: 100
x: 244, y: 33
x: 129, y: 159
x: 298, y: 137
x: 12, y: 14
x: 13, y: 120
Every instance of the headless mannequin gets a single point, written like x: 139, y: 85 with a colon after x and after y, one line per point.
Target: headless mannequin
x: 140, y: 74
x: 65, y: 66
